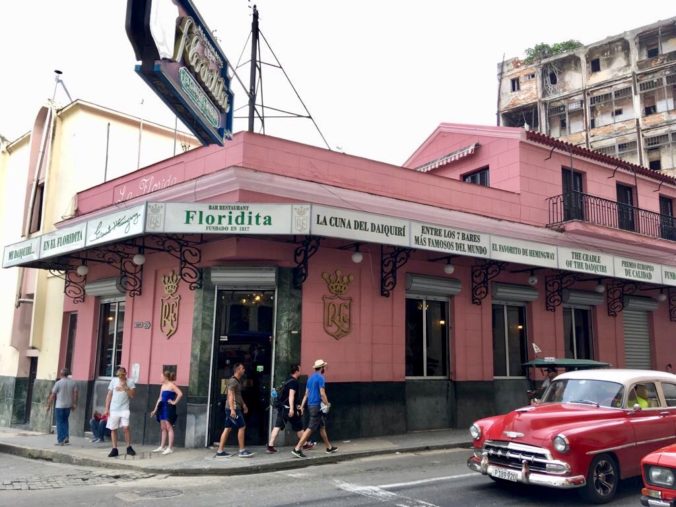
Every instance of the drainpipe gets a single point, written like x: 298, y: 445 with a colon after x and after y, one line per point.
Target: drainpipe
x: 502, y: 67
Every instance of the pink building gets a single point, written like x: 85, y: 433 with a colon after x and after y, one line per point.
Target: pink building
x: 425, y: 287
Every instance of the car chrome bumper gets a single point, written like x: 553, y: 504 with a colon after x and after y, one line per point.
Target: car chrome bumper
x: 525, y: 476
x: 655, y: 502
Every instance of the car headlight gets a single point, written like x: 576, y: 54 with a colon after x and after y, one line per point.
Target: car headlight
x: 561, y: 443
x: 475, y: 431
x: 661, y: 476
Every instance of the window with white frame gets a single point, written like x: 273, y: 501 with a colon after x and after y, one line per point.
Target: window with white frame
x: 111, y: 325
x: 577, y: 332
x: 509, y: 339
x: 426, y: 336
x: 478, y: 177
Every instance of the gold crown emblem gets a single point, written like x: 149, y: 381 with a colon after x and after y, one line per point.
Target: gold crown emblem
x: 337, y: 283
x: 170, y: 283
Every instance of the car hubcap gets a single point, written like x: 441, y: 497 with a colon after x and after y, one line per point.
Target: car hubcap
x: 604, y: 478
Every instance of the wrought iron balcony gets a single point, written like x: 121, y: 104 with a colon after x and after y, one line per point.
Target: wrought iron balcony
x: 595, y: 210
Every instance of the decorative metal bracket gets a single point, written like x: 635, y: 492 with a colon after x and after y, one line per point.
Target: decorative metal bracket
x: 554, y: 286
x: 389, y: 265
x: 617, y: 290
x: 301, y: 256
x: 482, y: 274
x: 74, y: 284
x: 671, y: 297
x: 130, y: 279
x: 188, y: 255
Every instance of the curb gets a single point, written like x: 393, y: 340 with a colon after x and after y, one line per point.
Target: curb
x: 60, y: 457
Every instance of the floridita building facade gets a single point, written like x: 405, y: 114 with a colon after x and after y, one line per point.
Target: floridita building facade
x: 425, y: 287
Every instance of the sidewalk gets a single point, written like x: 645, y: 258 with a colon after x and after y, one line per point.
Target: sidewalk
x: 202, y: 461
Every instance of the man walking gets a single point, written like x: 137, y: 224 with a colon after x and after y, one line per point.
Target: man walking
x: 120, y: 390
x: 235, y: 408
x: 289, y: 411
x: 318, y: 406
x: 64, y: 397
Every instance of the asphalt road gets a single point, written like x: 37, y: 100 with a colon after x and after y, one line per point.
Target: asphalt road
x: 428, y: 479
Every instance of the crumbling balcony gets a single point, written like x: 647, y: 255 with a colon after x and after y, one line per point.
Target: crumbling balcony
x: 605, y: 213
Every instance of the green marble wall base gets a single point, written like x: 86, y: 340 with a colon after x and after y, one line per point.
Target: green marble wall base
x: 430, y: 404
x: 41, y: 420
x: 196, y: 425
x: 19, y: 413
x: 6, y: 400
x: 13, y: 395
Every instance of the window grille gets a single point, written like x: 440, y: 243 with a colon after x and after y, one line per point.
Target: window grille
x: 599, y: 99
x: 651, y: 84
x: 657, y: 140
x: 557, y: 110
x: 622, y: 93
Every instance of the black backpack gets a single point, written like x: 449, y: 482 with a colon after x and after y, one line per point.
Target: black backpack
x: 276, y: 395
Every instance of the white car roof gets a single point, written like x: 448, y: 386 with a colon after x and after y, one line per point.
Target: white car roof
x: 622, y: 376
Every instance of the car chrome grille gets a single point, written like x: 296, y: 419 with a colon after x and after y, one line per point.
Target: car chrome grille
x: 513, y: 455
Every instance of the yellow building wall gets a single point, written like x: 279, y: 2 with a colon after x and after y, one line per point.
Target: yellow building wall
x: 84, y: 135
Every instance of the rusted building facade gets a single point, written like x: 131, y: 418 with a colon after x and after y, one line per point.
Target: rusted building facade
x: 616, y: 96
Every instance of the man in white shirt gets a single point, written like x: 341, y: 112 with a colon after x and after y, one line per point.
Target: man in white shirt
x: 120, y: 390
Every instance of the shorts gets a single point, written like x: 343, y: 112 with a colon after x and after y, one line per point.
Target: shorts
x: 317, y: 418
x: 283, y: 417
x: 235, y: 423
x: 118, y: 419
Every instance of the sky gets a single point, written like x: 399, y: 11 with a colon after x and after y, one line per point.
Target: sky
x: 377, y: 76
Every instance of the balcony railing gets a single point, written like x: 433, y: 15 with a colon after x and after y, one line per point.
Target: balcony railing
x: 595, y: 210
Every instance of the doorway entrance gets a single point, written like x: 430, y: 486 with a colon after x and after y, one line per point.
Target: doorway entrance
x: 243, y: 333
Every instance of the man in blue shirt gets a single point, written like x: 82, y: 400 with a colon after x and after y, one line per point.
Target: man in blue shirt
x: 318, y: 406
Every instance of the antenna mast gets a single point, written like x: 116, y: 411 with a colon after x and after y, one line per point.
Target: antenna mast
x: 254, y: 64
x: 256, y: 81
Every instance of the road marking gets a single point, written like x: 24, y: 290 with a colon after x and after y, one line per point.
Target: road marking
x: 425, y: 481
x: 381, y: 495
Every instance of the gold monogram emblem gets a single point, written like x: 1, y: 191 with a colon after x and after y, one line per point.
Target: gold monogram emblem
x: 337, y: 308
x: 170, y: 304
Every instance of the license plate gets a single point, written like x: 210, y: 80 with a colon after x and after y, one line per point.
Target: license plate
x: 508, y: 475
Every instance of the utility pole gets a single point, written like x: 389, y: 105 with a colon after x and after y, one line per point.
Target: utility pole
x: 254, y: 63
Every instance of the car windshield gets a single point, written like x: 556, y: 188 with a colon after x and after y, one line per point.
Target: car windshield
x: 593, y: 392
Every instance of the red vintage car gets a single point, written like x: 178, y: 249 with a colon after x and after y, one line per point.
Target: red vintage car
x: 659, y: 477
x: 590, y: 430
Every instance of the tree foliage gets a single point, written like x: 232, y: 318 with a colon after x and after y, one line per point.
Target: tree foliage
x: 543, y: 50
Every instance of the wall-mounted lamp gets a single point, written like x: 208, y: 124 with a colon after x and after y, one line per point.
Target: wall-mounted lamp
x: 357, y: 256
x: 82, y: 269
x: 532, y: 279
x: 449, y: 268
x: 661, y: 297
x: 139, y: 259
x: 600, y: 288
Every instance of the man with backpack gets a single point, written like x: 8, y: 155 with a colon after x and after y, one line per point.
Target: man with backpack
x: 288, y: 410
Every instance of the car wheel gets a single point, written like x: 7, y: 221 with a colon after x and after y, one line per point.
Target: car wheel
x: 602, y: 480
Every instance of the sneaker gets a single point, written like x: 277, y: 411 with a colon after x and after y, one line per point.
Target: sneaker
x: 58, y: 443
x: 222, y: 454
x: 244, y: 453
x: 159, y: 449
x: 298, y: 453
x: 331, y: 450
x: 131, y: 451
x: 113, y: 453
x: 95, y: 440
x: 308, y: 446
x: 168, y: 450
x: 66, y: 442
x: 270, y: 449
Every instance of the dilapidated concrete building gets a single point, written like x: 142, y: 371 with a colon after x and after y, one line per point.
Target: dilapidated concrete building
x: 616, y: 96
